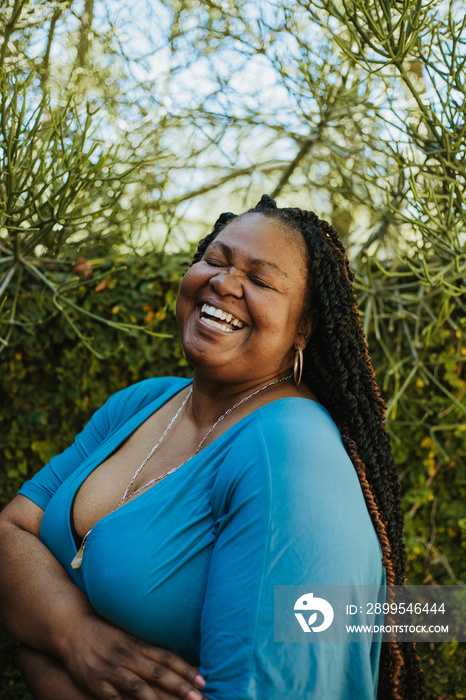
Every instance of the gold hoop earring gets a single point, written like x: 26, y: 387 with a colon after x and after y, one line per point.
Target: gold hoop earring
x: 298, y: 366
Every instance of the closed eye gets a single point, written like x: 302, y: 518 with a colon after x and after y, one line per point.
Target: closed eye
x: 260, y: 283
x: 255, y: 280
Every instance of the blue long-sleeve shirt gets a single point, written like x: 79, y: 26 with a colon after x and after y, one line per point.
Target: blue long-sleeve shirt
x: 191, y: 563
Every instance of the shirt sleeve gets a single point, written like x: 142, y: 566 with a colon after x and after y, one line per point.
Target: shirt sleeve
x: 292, y: 514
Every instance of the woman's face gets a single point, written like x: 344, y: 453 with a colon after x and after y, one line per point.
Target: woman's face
x: 240, y: 309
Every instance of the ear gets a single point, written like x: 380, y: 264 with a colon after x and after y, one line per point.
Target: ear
x: 306, y: 328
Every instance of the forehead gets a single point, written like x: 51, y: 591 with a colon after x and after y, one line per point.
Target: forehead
x: 263, y: 238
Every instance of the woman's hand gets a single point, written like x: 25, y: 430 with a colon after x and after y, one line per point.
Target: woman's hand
x: 111, y: 664
x: 48, y: 679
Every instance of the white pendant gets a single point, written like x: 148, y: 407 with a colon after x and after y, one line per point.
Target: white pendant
x: 76, y: 563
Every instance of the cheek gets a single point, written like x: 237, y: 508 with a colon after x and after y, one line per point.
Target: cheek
x: 283, y: 321
x: 274, y: 321
x: 194, y: 279
x: 191, y: 283
x: 182, y: 300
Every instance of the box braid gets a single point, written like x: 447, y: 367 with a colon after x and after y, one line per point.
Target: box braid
x: 338, y: 368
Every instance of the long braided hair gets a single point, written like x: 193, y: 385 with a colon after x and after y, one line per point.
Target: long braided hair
x: 338, y: 368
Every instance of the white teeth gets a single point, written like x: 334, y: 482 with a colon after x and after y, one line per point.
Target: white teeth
x: 223, y: 315
x: 214, y: 324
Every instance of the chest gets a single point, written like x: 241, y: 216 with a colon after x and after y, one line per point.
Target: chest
x: 145, y: 565
x: 145, y: 457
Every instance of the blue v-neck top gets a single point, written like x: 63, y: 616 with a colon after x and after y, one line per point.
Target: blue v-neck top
x: 191, y: 563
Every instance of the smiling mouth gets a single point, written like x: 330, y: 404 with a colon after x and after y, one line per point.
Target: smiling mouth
x: 219, y: 319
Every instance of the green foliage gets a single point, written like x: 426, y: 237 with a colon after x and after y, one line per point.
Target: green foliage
x: 428, y: 430
x: 67, y: 177
x: 444, y: 668
x: 11, y: 685
x: 416, y: 340
x: 60, y: 196
x: 56, y: 182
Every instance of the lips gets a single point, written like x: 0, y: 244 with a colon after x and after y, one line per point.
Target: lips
x: 222, y: 320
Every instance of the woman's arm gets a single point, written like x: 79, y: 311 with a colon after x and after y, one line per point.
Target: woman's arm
x: 46, y: 677
x: 43, y: 609
x: 289, y: 511
x: 38, y: 600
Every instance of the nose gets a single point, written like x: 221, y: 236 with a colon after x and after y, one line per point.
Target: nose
x: 227, y: 281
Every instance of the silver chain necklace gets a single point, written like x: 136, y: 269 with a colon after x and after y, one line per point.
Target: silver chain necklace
x: 77, y: 561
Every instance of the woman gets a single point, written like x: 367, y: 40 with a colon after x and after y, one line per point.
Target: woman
x: 190, y: 501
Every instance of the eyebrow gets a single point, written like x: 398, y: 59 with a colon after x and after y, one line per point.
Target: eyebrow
x: 255, y: 262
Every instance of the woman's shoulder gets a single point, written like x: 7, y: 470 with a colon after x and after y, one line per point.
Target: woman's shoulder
x: 291, y: 430
x: 300, y: 432
x: 305, y: 464
x: 298, y: 419
x: 136, y: 396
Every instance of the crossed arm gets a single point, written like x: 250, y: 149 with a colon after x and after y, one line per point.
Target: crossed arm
x: 67, y: 651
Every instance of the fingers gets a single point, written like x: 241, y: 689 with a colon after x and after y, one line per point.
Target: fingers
x: 169, y: 696
x: 131, y: 686
x: 112, y: 664
x: 161, y: 694
x: 127, y: 686
x: 167, y: 660
x: 169, y: 674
